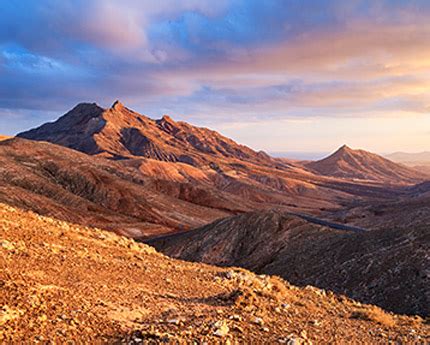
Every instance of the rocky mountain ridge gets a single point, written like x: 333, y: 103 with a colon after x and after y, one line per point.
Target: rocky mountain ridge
x: 119, y: 133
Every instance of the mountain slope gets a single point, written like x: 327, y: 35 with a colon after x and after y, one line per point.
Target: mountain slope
x: 73, y: 186
x: 137, y: 197
x: 387, y: 267
x: 363, y: 165
x: 63, y: 283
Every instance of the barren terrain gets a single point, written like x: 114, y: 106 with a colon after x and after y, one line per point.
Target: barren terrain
x: 65, y: 282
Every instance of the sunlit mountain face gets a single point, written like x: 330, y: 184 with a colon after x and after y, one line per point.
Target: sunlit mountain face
x: 282, y: 76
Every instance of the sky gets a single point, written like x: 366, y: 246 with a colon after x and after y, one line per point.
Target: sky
x: 277, y: 75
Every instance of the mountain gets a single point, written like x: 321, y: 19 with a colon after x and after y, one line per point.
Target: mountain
x: 62, y: 282
x: 419, y: 161
x: 403, y: 157
x: 143, y: 197
x: 3, y: 137
x: 178, y: 156
x: 386, y: 267
x: 359, y: 164
x: 121, y: 133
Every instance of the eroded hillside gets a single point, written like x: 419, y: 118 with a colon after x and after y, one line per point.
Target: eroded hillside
x: 387, y: 267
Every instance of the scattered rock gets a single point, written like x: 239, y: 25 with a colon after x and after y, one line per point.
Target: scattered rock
x: 174, y: 321
x: 8, y: 314
x: 258, y: 321
x: 236, y: 317
x: 5, y: 244
x: 229, y: 275
x: 221, y: 329
x: 293, y: 340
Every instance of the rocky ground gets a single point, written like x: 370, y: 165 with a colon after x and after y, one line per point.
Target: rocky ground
x: 62, y: 283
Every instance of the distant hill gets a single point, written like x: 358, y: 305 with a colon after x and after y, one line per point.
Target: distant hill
x: 404, y: 157
x: 387, y: 267
x: 363, y: 165
x: 419, y: 161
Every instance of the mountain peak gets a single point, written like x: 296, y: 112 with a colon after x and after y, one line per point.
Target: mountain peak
x: 167, y: 118
x: 345, y: 148
x: 360, y: 164
x: 85, y: 106
x: 167, y: 124
x: 117, y: 105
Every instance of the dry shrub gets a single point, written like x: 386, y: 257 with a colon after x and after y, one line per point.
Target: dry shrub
x: 374, y: 314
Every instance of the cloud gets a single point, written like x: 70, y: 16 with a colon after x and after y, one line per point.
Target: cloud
x: 217, y: 61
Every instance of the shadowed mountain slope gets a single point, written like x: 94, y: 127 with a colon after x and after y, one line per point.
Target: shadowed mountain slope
x: 62, y: 282
x: 384, y: 267
x: 363, y: 165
